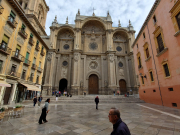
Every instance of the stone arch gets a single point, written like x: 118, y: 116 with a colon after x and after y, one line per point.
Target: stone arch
x: 93, y: 72
x: 93, y: 19
x: 123, y: 31
x: 65, y: 35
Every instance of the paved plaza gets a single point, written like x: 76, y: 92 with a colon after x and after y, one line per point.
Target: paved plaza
x: 84, y: 119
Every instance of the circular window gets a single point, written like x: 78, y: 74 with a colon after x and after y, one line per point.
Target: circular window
x: 65, y: 63
x: 93, y: 46
x: 120, y: 64
x: 118, y: 48
x: 66, y: 46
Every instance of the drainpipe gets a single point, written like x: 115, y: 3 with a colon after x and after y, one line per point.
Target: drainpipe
x: 155, y: 65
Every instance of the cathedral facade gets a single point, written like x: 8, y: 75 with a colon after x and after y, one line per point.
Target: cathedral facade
x: 89, y: 56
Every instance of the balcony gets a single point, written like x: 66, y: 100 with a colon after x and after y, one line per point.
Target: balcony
x: 42, y: 53
x: 11, y: 21
x: 39, y: 69
x: 4, y: 49
x: 27, y: 62
x: 17, y: 57
x: 23, y: 33
x: 160, y: 49
x: 37, y: 48
x: 34, y: 66
x: 13, y: 74
x: 23, y: 77
x: 1, y: 9
x: 31, y: 41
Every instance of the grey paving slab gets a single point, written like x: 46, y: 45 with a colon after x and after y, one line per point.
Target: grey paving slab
x: 84, y: 119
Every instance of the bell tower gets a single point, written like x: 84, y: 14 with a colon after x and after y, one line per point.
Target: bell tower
x: 36, y: 11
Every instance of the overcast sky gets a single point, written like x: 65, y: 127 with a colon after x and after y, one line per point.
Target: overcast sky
x: 123, y: 10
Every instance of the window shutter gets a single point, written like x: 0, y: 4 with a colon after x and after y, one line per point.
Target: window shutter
x: 18, y: 47
x: 23, y: 26
x: 160, y: 43
x: 147, y: 52
x: 31, y: 35
x: 5, y: 39
x: 12, y: 14
x: 178, y: 19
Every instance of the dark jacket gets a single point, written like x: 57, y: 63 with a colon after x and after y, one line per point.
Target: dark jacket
x: 40, y: 98
x: 35, y: 100
x: 120, y: 128
x: 96, y: 100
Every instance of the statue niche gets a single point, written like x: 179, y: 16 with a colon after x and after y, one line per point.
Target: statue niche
x: 65, y: 40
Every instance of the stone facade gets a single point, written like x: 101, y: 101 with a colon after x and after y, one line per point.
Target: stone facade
x: 91, y: 46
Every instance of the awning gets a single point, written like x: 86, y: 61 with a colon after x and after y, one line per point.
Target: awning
x: 4, y: 84
x: 31, y: 87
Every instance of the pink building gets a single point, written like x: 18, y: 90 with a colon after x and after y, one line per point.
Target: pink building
x: 157, y: 55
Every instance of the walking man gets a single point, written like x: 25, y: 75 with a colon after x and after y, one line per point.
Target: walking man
x: 35, y: 100
x: 96, y: 101
x: 119, y: 127
x: 39, y: 100
x: 44, y: 112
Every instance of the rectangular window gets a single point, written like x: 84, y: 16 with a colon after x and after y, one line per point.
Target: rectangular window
x: 4, y: 43
x: 144, y: 36
x: 154, y: 19
x: 25, y: 6
x: 151, y: 75
x: 37, y: 43
x: 18, y: 48
x: 1, y: 65
x: 31, y: 78
x: 166, y: 70
x: 37, y: 80
x: 178, y: 19
x: 39, y: 64
x: 142, y: 79
x: 13, y: 68
x: 31, y: 35
x: 23, y: 27
x: 147, y: 52
x: 34, y: 60
x: 23, y: 74
x: 27, y: 57
x: 139, y: 59
x: 12, y: 16
x: 170, y: 89
x: 160, y: 43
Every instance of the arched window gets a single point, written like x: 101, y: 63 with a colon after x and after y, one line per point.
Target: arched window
x: 20, y: 2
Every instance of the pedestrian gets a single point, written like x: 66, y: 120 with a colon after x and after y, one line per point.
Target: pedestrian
x: 114, y: 93
x: 52, y: 93
x: 119, y: 127
x: 44, y: 112
x: 35, y: 100
x: 39, y: 100
x: 59, y: 93
x: 118, y: 93
x: 128, y: 94
x: 56, y: 97
x: 55, y: 93
x: 96, y: 101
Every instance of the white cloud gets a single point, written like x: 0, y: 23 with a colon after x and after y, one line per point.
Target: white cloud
x: 135, y: 10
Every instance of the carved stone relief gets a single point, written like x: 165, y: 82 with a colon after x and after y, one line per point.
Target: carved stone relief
x: 49, y: 57
x: 64, y: 72
x: 93, y: 65
x: 35, y: 53
x: 121, y: 72
x: 65, y: 34
x: 111, y: 58
x: 119, y: 37
x: 8, y: 29
x: 76, y: 57
x: 20, y: 40
x: 29, y: 48
x: 93, y: 27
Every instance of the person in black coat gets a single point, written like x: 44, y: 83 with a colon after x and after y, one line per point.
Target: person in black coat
x: 119, y: 127
x: 96, y: 101
x: 35, y: 100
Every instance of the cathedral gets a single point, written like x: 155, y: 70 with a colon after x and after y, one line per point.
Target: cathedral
x: 89, y: 56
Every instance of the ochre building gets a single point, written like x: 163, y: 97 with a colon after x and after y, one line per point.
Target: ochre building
x: 22, y: 50
x: 156, y: 55
x: 90, y: 56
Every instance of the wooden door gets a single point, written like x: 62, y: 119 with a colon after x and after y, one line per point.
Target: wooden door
x: 7, y: 95
x: 122, y: 85
x: 93, y: 84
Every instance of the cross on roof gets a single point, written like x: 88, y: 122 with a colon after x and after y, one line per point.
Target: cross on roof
x: 93, y: 11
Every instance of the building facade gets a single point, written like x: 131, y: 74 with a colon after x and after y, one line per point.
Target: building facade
x: 22, y: 51
x: 156, y: 55
x: 89, y: 56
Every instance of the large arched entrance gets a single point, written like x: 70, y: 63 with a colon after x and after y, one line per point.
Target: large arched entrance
x: 93, y: 84
x: 63, y: 85
x: 122, y: 85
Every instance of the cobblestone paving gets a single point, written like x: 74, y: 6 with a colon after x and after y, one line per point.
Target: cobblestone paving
x: 84, y: 119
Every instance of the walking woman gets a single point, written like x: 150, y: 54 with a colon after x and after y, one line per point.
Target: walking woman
x: 56, y: 96
x: 35, y: 100
x: 96, y: 101
x: 44, y: 112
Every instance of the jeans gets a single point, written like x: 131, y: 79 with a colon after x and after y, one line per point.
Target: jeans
x: 97, y: 106
x: 34, y: 103
x: 43, y: 116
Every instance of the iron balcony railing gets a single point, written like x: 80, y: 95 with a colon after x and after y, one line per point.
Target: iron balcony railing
x: 23, y: 33
x: 42, y: 53
x: 39, y: 69
x: 18, y: 57
x: 11, y: 21
x: 37, y: 48
x: 31, y: 41
x: 27, y: 62
x: 14, y: 74
x: 1, y: 9
x: 34, y: 66
x: 4, y: 49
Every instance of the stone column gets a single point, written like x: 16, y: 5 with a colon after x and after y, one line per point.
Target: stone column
x: 111, y: 71
x: 127, y: 71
